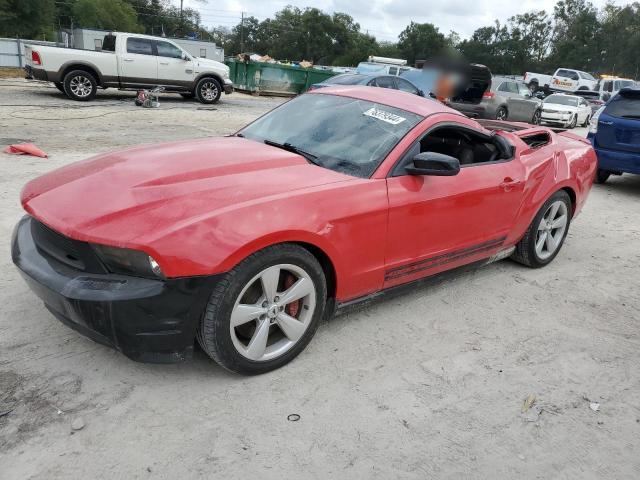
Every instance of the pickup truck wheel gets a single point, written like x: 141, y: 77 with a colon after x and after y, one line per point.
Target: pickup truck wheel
x: 265, y: 310
x: 59, y: 86
x: 502, y: 113
x: 80, y: 85
x: 208, y: 90
x: 545, y: 236
x: 602, y: 176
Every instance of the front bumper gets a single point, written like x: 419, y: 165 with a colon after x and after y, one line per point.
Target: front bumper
x: 147, y: 320
x: 555, y: 118
x: 228, y: 86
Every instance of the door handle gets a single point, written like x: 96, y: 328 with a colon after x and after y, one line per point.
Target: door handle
x: 164, y: 63
x: 128, y: 59
x: 507, y: 184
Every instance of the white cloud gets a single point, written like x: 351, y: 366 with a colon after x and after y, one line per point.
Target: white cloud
x: 385, y: 19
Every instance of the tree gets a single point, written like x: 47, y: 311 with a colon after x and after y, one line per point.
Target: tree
x: 420, y: 41
x: 106, y: 14
x: 27, y: 19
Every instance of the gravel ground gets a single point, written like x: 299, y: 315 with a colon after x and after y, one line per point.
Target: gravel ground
x: 430, y: 384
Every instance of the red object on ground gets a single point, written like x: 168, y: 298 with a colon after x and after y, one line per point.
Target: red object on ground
x: 25, y: 149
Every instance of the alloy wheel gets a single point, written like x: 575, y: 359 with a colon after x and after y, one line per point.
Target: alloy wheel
x: 209, y: 91
x: 551, y: 229
x: 81, y: 86
x: 272, y: 312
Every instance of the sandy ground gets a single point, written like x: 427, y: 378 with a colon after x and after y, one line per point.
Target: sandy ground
x: 427, y: 385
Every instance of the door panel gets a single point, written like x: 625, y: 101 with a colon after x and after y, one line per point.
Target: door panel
x: 173, y: 70
x: 438, y: 223
x: 139, y: 65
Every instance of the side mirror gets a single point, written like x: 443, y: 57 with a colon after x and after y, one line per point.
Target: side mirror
x: 431, y: 163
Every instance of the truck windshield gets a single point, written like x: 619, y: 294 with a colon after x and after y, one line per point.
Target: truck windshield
x: 344, y: 134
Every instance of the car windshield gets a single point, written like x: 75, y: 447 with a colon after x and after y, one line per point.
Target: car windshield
x: 561, y: 100
x: 348, y: 79
x: 344, y: 134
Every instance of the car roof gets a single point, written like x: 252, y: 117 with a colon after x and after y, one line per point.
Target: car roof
x: 386, y: 96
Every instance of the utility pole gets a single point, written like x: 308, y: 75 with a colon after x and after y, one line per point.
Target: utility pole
x: 181, y: 18
x: 242, y: 32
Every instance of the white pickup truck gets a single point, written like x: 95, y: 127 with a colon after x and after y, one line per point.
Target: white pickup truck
x: 128, y: 61
x: 563, y: 80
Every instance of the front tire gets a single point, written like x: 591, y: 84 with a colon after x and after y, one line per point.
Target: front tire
x: 573, y: 122
x: 208, y: 90
x: 80, y: 85
x: 545, y: 236
x: 265, y: 310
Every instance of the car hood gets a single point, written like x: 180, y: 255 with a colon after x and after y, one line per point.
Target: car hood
x: 134, y: 196
x: 207, y: 62
x: 558, y: 108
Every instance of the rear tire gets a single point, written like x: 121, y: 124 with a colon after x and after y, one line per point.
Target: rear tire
x: 533, y: 86
x: 537, y: 117
x: 545, y: 236
x: 602, y: 176
x: 80, y: 85
x: 502, y: 113
x: 244, y: 295
x: 586, y: 121
x: 208, y: 90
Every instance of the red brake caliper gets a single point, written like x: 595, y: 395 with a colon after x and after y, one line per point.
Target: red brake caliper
x: 293, y: 308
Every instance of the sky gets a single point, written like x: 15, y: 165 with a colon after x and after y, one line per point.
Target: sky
x: 384, y: 19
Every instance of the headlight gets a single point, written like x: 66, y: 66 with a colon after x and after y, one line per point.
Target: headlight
x: 593, y: 124
x: 128, y: 262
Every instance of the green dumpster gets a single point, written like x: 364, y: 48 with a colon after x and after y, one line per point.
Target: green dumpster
x: 273, y: 78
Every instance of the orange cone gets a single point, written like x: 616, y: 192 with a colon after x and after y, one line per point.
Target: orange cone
x: 25, y: 149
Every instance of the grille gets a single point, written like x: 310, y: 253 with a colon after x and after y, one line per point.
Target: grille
x: 73, y: 253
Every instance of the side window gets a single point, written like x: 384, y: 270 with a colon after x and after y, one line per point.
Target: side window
x: 203, y: 53
x: 513, y: 87
x: 384, y: 82
x: 561, y: 73
x: 608, y: 86
x: 405, y: 86
x: 166, y: 49
x: 504, y: 87
x: 574, y: 76
x: 97, y: 43
x: 468, y: 148
x: 141, y: 46
x: 393, y: 70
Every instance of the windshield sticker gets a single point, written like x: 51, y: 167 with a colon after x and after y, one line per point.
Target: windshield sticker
x: 388, y: 117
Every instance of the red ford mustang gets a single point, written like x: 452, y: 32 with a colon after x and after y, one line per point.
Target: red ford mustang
x: 246, y: 242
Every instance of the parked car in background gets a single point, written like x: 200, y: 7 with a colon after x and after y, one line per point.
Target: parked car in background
x: 537, y: 81
x: 383, y: 81
x: 607, y: 87
x: 593, y: 99
x: 615, y: 135
x: 248, y: 242
x: 566, y: 110
x: 568, y: 80
x: 506, y: 99
x: 128, y: 61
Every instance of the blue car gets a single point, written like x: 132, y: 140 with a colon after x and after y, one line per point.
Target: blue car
x: 615, y: 135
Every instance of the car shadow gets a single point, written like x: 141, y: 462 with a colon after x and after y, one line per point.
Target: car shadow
x: 627, y: 184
